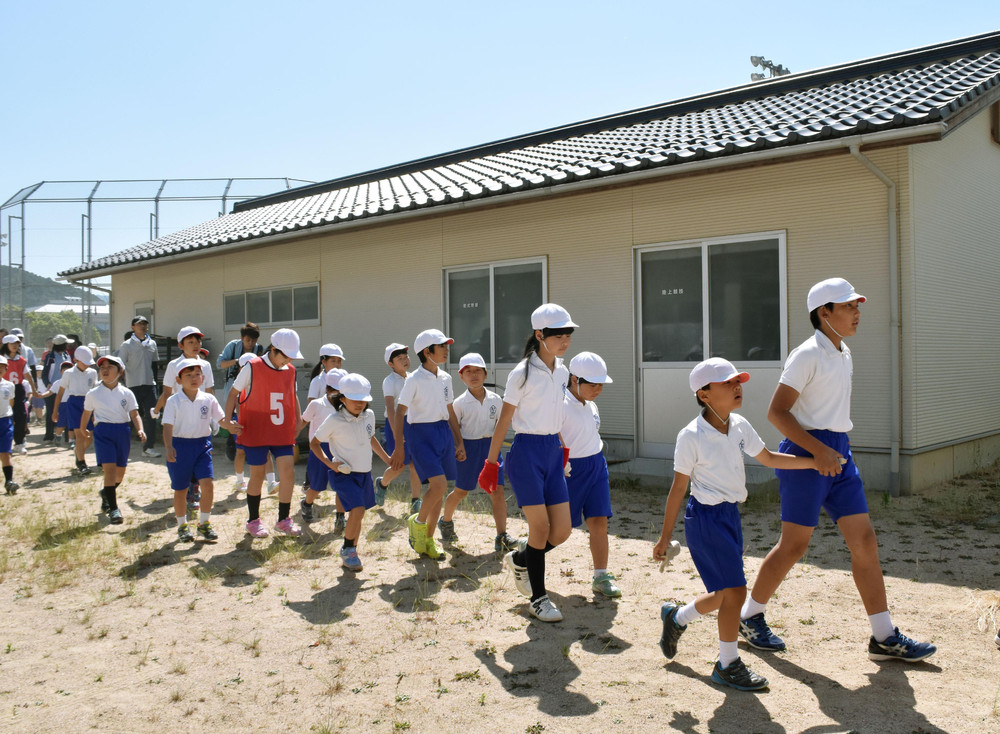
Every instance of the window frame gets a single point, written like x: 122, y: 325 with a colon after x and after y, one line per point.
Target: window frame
x: 284, y: 287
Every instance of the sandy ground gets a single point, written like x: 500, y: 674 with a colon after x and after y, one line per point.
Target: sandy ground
x: 120, y: 628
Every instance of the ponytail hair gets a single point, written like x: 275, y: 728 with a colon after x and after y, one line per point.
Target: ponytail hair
x: 316, y: 370
x: 532, y: 346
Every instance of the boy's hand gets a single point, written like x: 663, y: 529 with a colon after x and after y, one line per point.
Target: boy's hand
x: 664, y: 551
x: 171, y: 455
x: 342, y: 466
x: 55, y: 415
x: 142, y: 436
x: 235, y: 428
x: 828, y: 462
x: 154, y: 413
x: 460, y: 453
x: 397, y: 458
x: 489, y: 476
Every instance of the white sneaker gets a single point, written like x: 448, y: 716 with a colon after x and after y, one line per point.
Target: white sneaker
x: 239, y: 483
x: 21, y: 448
x: 272, y: 487
x: 521, y: 580
x: 997, y: 639
x: 543, y: 609
x: 152, y: 453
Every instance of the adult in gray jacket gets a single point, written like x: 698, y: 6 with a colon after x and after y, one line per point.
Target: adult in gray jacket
x: 139, y: 354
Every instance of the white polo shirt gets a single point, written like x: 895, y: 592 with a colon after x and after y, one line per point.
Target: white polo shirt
x: 170, y: 375
x: 192, y: 418
x: 316, y: 412
x: 581, y: 427
x: 110, y: 405
x: 821, y: 374
x: 350, y: 438
x: 6, y: 395
x: 391, y: 387
x: 245, y: 376
x: 78, y: 383
x: 539, y: 401
x: 317, y: 386
x: 475, y: 419
x: 427, y: 396
x: 714, y: 460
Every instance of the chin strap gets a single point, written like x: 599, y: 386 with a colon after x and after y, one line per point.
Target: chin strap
x: 834, y: 330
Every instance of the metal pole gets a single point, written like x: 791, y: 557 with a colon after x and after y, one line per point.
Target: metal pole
x: 21, y: 289
x: 10, y: 269
x: 156, y: 209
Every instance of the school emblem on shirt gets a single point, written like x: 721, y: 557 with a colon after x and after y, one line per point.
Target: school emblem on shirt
x: 204, y: 412
x: 741, y: 445
x: 493, y: 412
x: 124, y: 402
x: 370, y: 429
x: 447, y: 390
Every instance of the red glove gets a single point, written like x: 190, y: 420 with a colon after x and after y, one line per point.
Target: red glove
x: 489, y: 475
x: 565, y: 456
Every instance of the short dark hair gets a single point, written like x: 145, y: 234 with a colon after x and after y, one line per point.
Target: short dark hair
x: 250, y: 329
x: 814, y: 314
x: 701, y: 403
x: 404, y: 350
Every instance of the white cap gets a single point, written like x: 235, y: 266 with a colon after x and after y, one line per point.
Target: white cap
x: 355, y: 387
x: 590, y: 367
x: 287, y: 342
x: 113, y: 359
x: 17, y: 330
x: 189, y: 362
x: 62, y: 339
x: 188, y: 331
x: 333, y: 377
x: 331, y: 350
x: 832, y: 290
x: 715, y: 369
x: 394, y: 347
x: 551, y: 316
x: 11, y: 338
x: 428, y: 338
x: 3, y: 359
x: 472, y: 359
x: 244, y: 358
x: 83, y: 354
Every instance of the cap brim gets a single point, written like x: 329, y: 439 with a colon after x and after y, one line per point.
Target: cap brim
x: 357, y: 396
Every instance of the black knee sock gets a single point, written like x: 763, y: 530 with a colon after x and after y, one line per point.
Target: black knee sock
x: 111, y: 496
x: 253, y: 506
x: 8, y: 473
x: 348, y: 543
x: 284, y: 508
x: 534, y: 559
x: 548, y: 546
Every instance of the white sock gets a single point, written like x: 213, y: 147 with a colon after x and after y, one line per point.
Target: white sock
x: 270, y: 478
x: 751, y: 607
x: 206, y: 516
x: 881, y: 626
x: 687, y: 614
x: 599, y: 571
x: 181, y: 519
x: 729, y: 652
x: 242, y: 477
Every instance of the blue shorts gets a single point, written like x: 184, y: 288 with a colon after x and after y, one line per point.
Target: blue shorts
x: 317, y: 471
x: 432, y: 449
x: 535, y: 470
x: 715, y: 538
x: 112, y: 442
x: 589, y: 488
x: 257, y: 455
x: 37, y: 403
x: 354, y: 490
x: 804, y: 491
x: 74, y: 412
x: 6, y: 434
x: 194, y: 462
x: 476, y: 450
x: 63, y: 421
x: 390, y: 442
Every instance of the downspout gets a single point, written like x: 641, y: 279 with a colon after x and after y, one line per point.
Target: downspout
x: 895, y: 375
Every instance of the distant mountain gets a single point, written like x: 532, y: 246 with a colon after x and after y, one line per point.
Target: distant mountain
x: 38, y: 290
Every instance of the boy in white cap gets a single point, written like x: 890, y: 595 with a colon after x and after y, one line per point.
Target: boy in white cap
x: 189, y: 340
x: 431, y: 432
x: 398, y: 358
x: 76, y: 383
x: 7, y: 428
x: 477, y: 410
x: 587, y: 470
x: 113, y: 407
x: 317, y: 473
x: 812, y: 408
x: 269, y: 413
x: 709, y: 456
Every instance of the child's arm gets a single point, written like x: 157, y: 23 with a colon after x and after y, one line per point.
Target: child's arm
x: 457, y: 433
x: 31, y: 381
x: 398, y: 453
x: 164, y: 394
x: 137, y: 422
x: 84, y: 420
x: 300, y: 425
x: 55, y: 408
x: 673, y: 507
x: 380, y: 452
x: 780, y: 415
x: 500, y: 432
x: 317, y: 450
x: 775, y: 460
x: 168, y: 442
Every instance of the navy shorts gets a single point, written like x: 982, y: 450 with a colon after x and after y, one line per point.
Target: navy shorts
x: 535, y: 470
x: 432, y: 449
x: 317, y: 471
x: 63, y: 421
x: 194, y: 462
x: 715, y: 538
x: 476, y: 450
x: 390, y: 442
x: 74, y: 412
x: 6, y: 434
x: 257, y: 455
x: 354, y: 490
x: 589, y: 488
x: 804, y: 491
x: 112, y: 442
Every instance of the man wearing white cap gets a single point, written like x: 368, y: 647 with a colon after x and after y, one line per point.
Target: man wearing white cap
x: 812, y: 407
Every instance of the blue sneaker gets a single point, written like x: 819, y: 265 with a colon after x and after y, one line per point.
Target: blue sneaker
x: 757, y: 634
x: 738, y: 676
x: 349, y: 559
x: 898, y: 646
x: 671, y: 631
x: 379, y: 492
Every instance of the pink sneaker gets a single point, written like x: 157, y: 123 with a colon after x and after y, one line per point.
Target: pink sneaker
x: 256, y: 529
x: 288, y: 527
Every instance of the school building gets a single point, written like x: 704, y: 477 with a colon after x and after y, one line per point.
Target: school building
x: 687, y: 229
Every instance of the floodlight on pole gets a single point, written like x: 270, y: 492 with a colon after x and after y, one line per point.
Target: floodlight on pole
x: 772, y: 68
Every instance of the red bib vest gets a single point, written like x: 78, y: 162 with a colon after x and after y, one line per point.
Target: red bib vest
x: 267, y: 410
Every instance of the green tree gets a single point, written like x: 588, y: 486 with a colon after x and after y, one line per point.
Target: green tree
x: 42, y: 326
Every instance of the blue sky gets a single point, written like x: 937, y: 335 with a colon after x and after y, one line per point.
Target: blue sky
x: 316, y: 90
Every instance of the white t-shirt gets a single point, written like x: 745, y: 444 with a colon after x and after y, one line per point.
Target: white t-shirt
x: 110, y: 405
x: 78, y: 383
x: 316, y: 412
x: 317, y: 386
x: 6, y: 395
x: 821, y: 374
x: 427, y: 396
x: 581, y: 427
x: 539, y: 401
x: 391, y: 387
x: 350, y: 438
x: 714, y: 460
x: 475, y: 419
x: 170, y: 375
x: 192, y: 418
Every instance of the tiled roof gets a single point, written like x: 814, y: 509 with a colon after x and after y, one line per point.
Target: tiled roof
x: 931, y: 84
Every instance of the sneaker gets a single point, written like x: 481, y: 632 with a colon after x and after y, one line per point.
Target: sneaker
x: 504, y: 543
x: 431, y: 549
x: 898, y: 646
x: 379, y: 492
x: 738, y: 676
x: 349, y: 559
x: 543, y: 609
x: 307, y: 511
x: 521, y: 580
x: 418, y: 534
x: 11, y: 487
x: 996, y: 640
x: 207, y: 532
x: 184, y: 534
x: 671, y: 630
x: 605, y: 584
x: 447, y: 528
x: 288, y: 527
x: 272, y: 487
x: 84, y: 470
x: 152, y: 453
x: 415, y: 505
x: 340, y: 523
x: 21, y: 449
x: 256, y: 529
x: 239, y: 484
x: 115, y: 517
x: 758, y: 635
x: 105, y: 505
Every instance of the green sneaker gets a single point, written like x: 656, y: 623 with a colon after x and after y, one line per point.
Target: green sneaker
x: 418, y: 534
x: 447, y: 528
x: 605, y: 584
x: 184, y: 534
x: 431, y: 549
x: 206, y: 531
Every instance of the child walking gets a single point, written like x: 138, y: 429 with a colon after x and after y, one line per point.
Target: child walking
x: 7, y: 428
x: 477, y: 410
x: 350, y: 433
x: 533, y: 405
x: 17, y: 372
x: 76, y: 383
x: 398, y: 358
x: 317, y: 473
x: 113, y: 406
x: 587, y: 471
x: 331, y: 357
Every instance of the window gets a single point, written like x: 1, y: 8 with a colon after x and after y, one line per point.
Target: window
x: 292, y: 305
x: 489, y: 307
x: 738, y: 283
